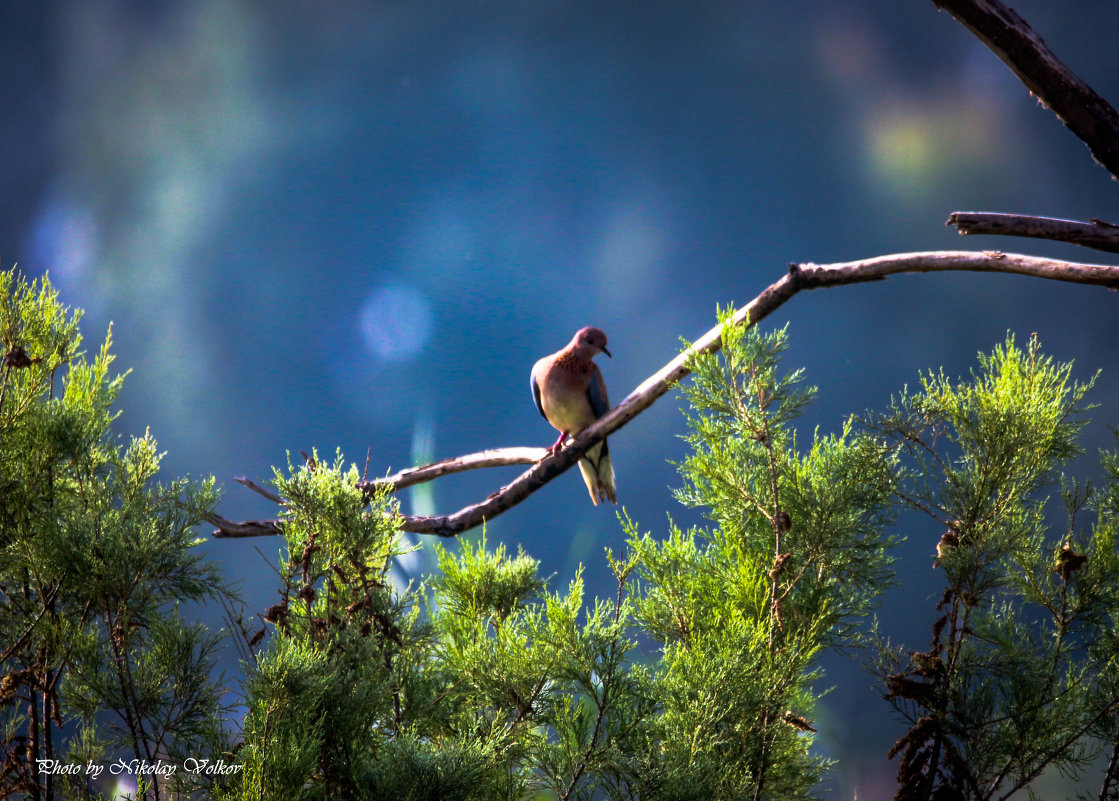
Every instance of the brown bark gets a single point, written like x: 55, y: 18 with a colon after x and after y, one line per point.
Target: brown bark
x: 799, y: 277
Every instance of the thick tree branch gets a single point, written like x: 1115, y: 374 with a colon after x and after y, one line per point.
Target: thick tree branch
x: 1092, y: 234
x: 799, y: 277
x: 224, y: 528
x: 1085, y: 113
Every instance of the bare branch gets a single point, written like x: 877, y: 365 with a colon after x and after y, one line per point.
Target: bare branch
x: 1111, y: 777
x: 799, y: 276
x: 986, y: 261
x: 498, y: 457
x: 1085, y: 113
x: 247, y: 528
x: 267, y: 493
x: 1092, y: 234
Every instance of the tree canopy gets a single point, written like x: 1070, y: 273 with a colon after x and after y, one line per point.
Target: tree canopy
x: 699, y: 678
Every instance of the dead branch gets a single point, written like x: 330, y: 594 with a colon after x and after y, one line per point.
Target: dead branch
x: 799, y: 277
x: 226, y: 528
x: 259, y: 490
x: 498, y: 457
x: 1085, y: 113
x: 1095, y: 234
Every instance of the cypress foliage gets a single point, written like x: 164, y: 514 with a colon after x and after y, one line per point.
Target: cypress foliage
x: 95, y: 557
x: 500, y: 688
x: 698, y: 679
x: 1020, y: 674
x: 796, y: 554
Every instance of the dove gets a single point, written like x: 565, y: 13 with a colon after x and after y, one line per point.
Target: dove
x: 570, y: 394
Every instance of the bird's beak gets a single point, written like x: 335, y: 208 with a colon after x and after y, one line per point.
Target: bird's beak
x: 604, y: 350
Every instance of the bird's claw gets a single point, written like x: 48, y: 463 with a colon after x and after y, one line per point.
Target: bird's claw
x: 552, y: 451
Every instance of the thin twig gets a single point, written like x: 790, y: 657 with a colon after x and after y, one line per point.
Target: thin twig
x: 267, y: 493
x: 1065, y: 745
x: 799, y: 277
x: 4, y: 385
x: 1111, y: 775
x: 602, y: 704
x: 27, y: 633
x: 1095, y: 234
x: 1094, y: 121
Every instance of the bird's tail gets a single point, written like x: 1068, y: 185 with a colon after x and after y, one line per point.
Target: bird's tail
x: 598, y: 473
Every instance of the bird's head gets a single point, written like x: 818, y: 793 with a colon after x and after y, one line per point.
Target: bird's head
x: 590, y: 341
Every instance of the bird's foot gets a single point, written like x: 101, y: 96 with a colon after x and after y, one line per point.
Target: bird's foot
x: 552, y: 451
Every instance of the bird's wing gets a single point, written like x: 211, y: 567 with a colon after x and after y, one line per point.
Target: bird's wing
x: 596, y: 393
x: 536, y: 393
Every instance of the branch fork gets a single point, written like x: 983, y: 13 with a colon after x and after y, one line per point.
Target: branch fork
x: 1091, y: 118
x: 546, y: 467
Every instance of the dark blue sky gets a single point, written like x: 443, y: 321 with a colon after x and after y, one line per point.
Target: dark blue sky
x: 358, y: 224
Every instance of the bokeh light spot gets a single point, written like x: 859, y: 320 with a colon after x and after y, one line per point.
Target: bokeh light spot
x: 913, y: 149
x: 902, y: 149
x: 396, y: 323
x: 64, y: 241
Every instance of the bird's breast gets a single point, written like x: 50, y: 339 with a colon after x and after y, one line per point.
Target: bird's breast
x: 563, y: 396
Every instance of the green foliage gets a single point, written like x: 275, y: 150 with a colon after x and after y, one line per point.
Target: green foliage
x: 501, y: 688
x: 95, y: 557
x: 699, y: 679
x: 1020, y: 674
x: 743, y: 610
x: 544, y: 679
x: 336, y: 680
x: 814, y: 520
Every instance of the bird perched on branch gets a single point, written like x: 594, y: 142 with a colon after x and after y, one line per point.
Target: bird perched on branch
x: 570, y: 394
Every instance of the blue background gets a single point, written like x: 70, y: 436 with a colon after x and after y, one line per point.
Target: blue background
x: 357, y: 224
